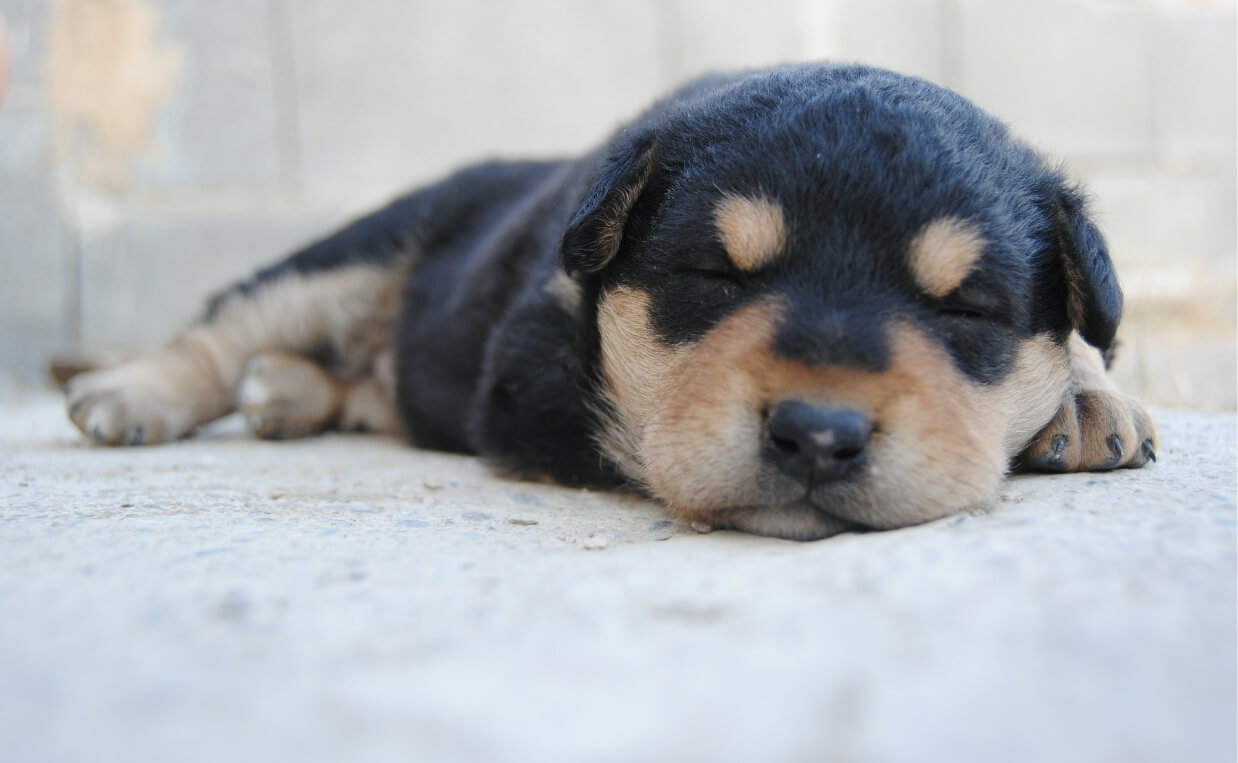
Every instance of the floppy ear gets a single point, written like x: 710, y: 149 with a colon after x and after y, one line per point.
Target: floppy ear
x: 595, y: 232
x: 1093, y: 297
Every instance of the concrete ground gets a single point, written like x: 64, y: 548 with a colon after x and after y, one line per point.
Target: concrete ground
x: 346, y: 598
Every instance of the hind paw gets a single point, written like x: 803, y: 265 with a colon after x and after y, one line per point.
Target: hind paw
x: 136, y: 403
x: 284, y: 396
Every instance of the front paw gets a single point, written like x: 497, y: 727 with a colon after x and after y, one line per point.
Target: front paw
x: 1094, y: 430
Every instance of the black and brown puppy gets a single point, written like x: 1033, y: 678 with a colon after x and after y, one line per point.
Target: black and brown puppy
x: 789, y: 302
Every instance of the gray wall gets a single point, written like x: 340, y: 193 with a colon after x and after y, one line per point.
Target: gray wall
x: 153, y: 150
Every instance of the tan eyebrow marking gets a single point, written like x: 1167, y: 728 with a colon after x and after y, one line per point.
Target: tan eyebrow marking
x: 943, y: 253
x: 752, y: 230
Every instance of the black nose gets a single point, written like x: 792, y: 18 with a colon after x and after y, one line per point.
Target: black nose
x: 814, y: 443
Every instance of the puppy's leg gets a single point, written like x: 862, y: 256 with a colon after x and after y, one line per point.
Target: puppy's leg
x: 1098, y: 426
x: 344, y: 311
x: 283, y: 395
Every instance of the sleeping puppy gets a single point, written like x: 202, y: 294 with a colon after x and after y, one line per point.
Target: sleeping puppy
x: 789, y: 302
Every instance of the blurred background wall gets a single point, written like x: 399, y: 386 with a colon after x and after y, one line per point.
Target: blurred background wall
x: 151, y: 151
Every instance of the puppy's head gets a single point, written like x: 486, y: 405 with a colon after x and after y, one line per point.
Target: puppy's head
x: 828, y: 297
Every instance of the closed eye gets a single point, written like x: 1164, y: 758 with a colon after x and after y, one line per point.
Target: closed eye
x: 965, y: 311
x: 718, y: 275
x: 974, y: 304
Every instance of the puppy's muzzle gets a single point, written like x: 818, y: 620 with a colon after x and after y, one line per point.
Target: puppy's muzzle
x: 815, y: 444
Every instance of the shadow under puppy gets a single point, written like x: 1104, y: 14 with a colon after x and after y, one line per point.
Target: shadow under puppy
x: 790, y: 302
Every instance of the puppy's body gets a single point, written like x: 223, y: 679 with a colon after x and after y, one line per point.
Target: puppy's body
x: 788, y: 302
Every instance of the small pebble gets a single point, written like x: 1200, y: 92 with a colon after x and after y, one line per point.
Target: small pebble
x: 595, y: 543
x: 432, y: 484
x: 521, y: 521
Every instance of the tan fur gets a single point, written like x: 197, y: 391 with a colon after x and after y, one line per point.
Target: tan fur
x: 164, y: 395
x: 368, y: 407
x: 690, y: 420
x: 1030, y: 393
x: 943, y: 253
x: 283, y: 396
x: 638, y: 370
x: 753, y: 231
x: 1087, y: 366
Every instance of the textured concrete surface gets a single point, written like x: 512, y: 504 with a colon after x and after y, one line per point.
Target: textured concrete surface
x: 347, y: 598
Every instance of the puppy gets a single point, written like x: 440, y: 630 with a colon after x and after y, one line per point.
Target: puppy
x: 790, y: 302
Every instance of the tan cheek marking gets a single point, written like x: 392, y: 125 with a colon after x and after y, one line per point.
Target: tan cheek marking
x: 639, y: 371
x: 701, y: 446
x: 943, y: 253
x: 753, y: 231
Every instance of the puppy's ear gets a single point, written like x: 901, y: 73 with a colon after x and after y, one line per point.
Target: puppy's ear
x: 1093, y: 297
x: 595, y: 232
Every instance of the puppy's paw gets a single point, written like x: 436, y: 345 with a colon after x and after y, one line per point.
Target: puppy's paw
x: 1094, y: 430
x: 141, y: 402
x: 284, y: 396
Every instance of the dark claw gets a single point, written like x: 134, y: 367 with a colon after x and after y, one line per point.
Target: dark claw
x: 97, y: 433
x: 1149, y: 452
x: 138, y: 435
x: 1050, y: 459
x: 1115, y: 446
